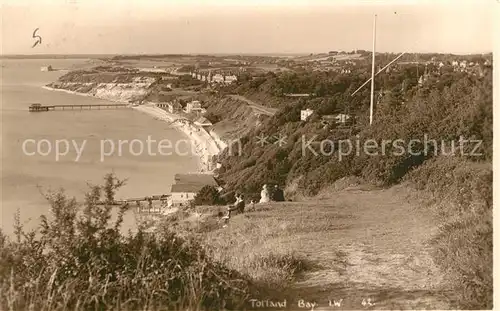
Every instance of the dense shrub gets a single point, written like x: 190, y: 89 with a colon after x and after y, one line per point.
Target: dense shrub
x: 79, y: 261
x: 461, y: 193
x: 449, y: 107
x: 443, y: 112
x: 208, y: 195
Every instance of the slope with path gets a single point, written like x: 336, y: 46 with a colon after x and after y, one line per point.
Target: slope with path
x: 369, y: 248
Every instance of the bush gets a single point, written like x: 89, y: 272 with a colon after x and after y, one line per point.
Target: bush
x: 464, y: 248
x: 208, y: 195
x: 80, y: 261
x: 445, y: 111
x: 462, y: 193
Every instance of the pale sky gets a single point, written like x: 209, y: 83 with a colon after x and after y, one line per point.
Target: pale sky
x: 293, y: 26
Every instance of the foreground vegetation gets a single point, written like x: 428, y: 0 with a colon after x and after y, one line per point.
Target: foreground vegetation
x: 79, y: 261
x: 452, y: 184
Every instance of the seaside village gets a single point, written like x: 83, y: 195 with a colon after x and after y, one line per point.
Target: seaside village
x: 219, y: 77
x: 185, y: 187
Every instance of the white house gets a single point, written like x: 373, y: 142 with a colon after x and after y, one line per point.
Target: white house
x: 193, y: 106
x: 218, y: 78
x: 230, y: 79
x: 304, y: 114
x: 183, y: 193
x: 341, y: 118
x: 174, y: 107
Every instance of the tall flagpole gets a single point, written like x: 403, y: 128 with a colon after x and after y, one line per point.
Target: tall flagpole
x: 373, y: 68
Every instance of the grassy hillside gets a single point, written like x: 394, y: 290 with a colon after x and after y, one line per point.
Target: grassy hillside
x: 352, y: 243
x: 80, y: 261
x: 449, y: 168
x: 445, y: 108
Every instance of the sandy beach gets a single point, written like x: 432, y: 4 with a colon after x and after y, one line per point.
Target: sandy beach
x: 206, y: 145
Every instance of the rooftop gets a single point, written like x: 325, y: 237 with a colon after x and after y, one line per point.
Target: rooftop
x: 195, y: 179
x: 191, y: 188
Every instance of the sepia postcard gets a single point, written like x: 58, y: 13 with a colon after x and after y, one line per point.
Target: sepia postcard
x: 247, y: 155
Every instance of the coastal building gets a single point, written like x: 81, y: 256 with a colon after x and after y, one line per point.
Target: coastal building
x: 163, y: 106
x: 342, y: 118
x: 230, y: 79
x: 304, y: 114
x: 218, y: 78
x: 174, y: 107
x: 193, y: 106
x: 182, y: 194
x: 186, y: 186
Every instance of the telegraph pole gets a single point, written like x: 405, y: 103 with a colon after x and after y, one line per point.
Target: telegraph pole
x: 373, y: 68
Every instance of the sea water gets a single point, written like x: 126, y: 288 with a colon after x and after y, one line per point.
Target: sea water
x: 27, y: 174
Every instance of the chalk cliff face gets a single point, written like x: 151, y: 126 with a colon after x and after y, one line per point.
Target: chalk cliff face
x: 136, y: 89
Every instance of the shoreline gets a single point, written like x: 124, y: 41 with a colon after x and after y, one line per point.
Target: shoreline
x: 206, y: 144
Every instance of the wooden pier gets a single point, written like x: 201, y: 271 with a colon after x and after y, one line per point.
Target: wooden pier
x: 149, y: 208
x: 40, y: 108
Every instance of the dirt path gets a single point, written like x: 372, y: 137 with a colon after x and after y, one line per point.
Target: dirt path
x: 378, y: 254
x: 258, y: 107
x: 365, y: 249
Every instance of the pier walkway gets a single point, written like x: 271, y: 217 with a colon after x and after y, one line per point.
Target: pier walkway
x: 40, y: 108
